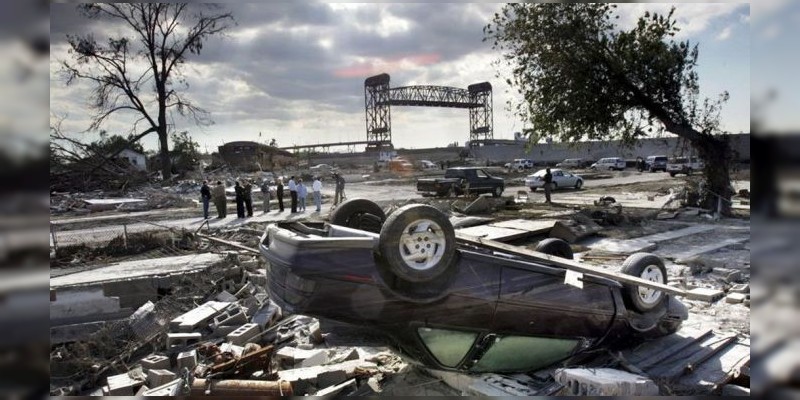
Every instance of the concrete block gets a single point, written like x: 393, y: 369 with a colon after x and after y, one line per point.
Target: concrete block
x: 199, y: 317
x: 330, y: 378
x: 572, y: 231
x: 333, y: 390
x: 244, y: 334
x: 315, y: 333
x: 187, y: 359
x: 310, y: 374
x: 317, y: 358
x: 225, y: 296
x: 743, y: 288
x: 123, y: 384
x: 352, y: 355
x: 728, y: 275
x: 233, y: 316
x: 159, y: 377
x: 178, y: 340
x: 604, y: 382
x: 141, y: 391
x: 222, y: 331
x: 169, y: 389
x: 706, y: 294
x: 155, y: 361
x: 305, y: 346
x: 735, y: 298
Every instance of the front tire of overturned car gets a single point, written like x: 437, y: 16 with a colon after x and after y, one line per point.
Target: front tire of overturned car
x: 555, y: 247
x: 649, y: 267
x: 359, y: 214
x: 417, y: 243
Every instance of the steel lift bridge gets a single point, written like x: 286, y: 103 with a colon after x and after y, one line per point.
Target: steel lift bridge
x: 379, y: 97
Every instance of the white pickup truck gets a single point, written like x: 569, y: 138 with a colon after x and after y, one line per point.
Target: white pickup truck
x: 684, y: 165
x: 519, y: 164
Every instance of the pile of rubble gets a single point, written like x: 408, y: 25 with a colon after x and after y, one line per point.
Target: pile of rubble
x: 236, y: 342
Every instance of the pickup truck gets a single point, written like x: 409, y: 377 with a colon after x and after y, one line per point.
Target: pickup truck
x: 462, y: 180
x: 683, y: 165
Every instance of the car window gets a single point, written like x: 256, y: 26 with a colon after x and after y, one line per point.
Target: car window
x: 448, y: 346
x: 557, y: 173
x: 524, y: 353
x: 454, y: 173
x: 481, y: 174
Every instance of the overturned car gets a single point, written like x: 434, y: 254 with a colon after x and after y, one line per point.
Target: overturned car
x: 451, y: 304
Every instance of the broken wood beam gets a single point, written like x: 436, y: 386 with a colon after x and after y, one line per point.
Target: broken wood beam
x: 240, y: 387
x: 229, y: 243
x: 572, y: 265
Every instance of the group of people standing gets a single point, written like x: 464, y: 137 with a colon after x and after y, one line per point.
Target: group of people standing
x: 243, y: 188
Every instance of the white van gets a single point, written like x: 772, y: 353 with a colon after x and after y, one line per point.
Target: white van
x: 609, y: 163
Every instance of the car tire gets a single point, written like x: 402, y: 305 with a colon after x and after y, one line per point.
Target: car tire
x: 417, y: 242
x: 555, y: 247
x: 359, y: 214
x: 672, y: 174
x: 533, y: 189
x: 646, y: 266
x: 498, y: 191
x: 579, y: 184
x: 689, y: 172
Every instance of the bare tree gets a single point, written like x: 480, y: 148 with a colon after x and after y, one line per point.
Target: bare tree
x: 142, y: 74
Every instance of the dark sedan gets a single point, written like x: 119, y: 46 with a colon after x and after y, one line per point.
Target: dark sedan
x: 454, y: 306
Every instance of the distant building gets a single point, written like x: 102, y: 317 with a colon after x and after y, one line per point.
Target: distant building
x: 136, y: 159
x: 253, y: 156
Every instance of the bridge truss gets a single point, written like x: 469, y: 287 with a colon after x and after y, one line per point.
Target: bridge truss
x: 379, y: 97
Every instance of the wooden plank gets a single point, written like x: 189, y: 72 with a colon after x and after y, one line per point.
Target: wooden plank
x: 495, y: 233
x: 532, y: 226
x: 571, y: 265
x: 229, y: 243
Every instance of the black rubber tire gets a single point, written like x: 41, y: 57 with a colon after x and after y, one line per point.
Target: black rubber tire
x: 497, y: 192
x: 689, y: 172
x: 579, y: 184
x: 672, y: 174
x: 634, y: 265
x: 359, y: 214
x: 390, y: 236
x: 533, y: 189
x: 555, y: 247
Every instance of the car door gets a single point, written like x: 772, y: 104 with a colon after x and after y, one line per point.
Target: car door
x: 558, y: 178
x: 568, y: 180
x: 482, y: 181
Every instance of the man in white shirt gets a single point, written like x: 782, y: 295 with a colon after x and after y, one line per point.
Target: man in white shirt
x: 316, y: 188
x: 293, y: 193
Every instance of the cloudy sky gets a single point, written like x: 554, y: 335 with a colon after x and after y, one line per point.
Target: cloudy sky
x: 295, y: 71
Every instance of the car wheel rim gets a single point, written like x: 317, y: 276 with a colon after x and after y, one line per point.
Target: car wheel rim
x: 422, y: 244
x: 653, y: 274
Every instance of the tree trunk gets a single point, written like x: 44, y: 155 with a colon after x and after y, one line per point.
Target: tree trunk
x: 716, y: 155
x: 166, y: 164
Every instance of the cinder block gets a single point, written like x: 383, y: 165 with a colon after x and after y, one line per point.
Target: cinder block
x: 735, y: 298
x: 177, y: 340
x: 231, y: 317
x: 330, y: 378
x: 743, y: 288
x: 706, y: 294
x: 222, y: 331
x: 123, y: 385
x: 317, y: 357
x: 159, y: 377
x: 314, y: 332
x: 604, y: 382
x: 243, y: 334
x: 198, y: 317
x: 155, y: 361
x: 306, y: 358
x: 187, y: 359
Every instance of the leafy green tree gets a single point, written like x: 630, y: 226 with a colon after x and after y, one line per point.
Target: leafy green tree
x: 185, y: 152
x: 142, y: 75
x: 583, y: 77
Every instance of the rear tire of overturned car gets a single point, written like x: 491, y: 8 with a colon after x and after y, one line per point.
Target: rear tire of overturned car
x: 649, y: 267
x: 555, y: 247
x: 417, y: 243
x: 359, y: 214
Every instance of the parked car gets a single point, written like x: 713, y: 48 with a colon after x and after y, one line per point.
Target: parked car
x: 656, y: 163
x: 462, y: 180
x: 609, y: 163
x: 452, y: 305
x: 684, y: 165
x: 427, y: 164
x: 572, y: 163
x: 561, y: 179
x: 519, y: 164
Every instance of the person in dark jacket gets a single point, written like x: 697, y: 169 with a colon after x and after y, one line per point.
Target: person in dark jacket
x: 248, y: 197
x: 279, y: 193
x: 205, y: 197
x: 548, y: 185
x: 239, y: 199
x: 219, y: 199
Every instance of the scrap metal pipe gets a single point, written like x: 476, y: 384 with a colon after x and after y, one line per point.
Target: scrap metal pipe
x: 238, y: 387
